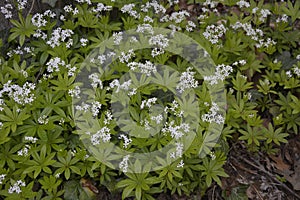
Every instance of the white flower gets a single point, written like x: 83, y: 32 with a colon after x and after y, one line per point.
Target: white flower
x: 16, y: 187
x: 96, y: 82
x: 43, y: 119
x: 2, y: 178
x: 176, y: 131
x: 127, y: 140
x: 118, y: 37
x: 187, y: 80
x: 54, y: 63
x: 243, y: 3
x: 126, y: 57
x: 222, y: 71
x: 128, y: 8
x: 142, y: 28
x: 60, y: 35
x: 146, y: 68
x: 21, y: 95
x: 7, y: 11
x: 213, y: 33
x: 157, y: 118
x: 159, y: 40
x: 148, y: 19
x: 96, y: 106
x: 101, y: 7
x: 74, y: 92
x: 83, y: 41
x: 148, y: 102
x: 213, y: 116
x: 103, y: 134
x: 123, y: 165
x: 116, y: 83
x: 38, y: 20
x: 31, y: 139
x: 180, y: 164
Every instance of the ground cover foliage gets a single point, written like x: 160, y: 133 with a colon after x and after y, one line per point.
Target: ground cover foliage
x: 245, y: 146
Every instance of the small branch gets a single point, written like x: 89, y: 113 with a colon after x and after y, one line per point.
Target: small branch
x: 31, y: 7
x: 270, y: 175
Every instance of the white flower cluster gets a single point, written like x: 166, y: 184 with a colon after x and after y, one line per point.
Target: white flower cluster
x: 173, y: 2
x: 103, y: 134
x: 158, y: 119
x: 83, y: 41
x: 116, y: 83
x: 148, y: 19
x: 146, y: 68
x: 213, y: 33
x: 31, y: 139
x: 84, y: 1
x: 40, y: 34
x: 108, y: 117
x: 178, y: 152
x: 21, y: 4
x: 54, y: 64
x: 1, y: 124
x: 94, y: 107
x: 190, y: 26
x: 222, y: 71
x: 39, y: 20
x: 101, y: 7
x: 102, y: 58
x: 175, y: 109
x: 176, y: 17
x: 123, y: 165
x: 176, y: 131
x: 7, y: 11
x: 264, y: 14
x: 94, y: 78
x: 296, y: 71
x: 20, y: 51
x: 283, y: 18
x: 266, y: 44
x: 143, y: 28
x: 210, y: 3
x: 43, y: 119
x: 2, y: 178
x: 128, y: 8
x: 60, y: 35
x: 148, y: 102
x: 180, y: 164
x: 254, y: 33
x: 118, y: 37
x: 24, y: 151
x: 16, y: 187
x: 243, y: 3
x: 69, y: 9
x: 127, y: 140
x: 160, y: 42
x: 212, y: 115
x: 241, y: 62
x: 74, y: 92
x: 126, y: 57
x: 153, y: 4
x: 187, y: 80
x: 21, y: 95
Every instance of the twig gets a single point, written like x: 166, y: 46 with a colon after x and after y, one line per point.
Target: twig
x: 32, y: 4
x: 270, y: 175
x: 245, y: 180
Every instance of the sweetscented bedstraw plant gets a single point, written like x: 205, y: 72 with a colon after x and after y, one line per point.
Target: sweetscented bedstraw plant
x: 40, y: 142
